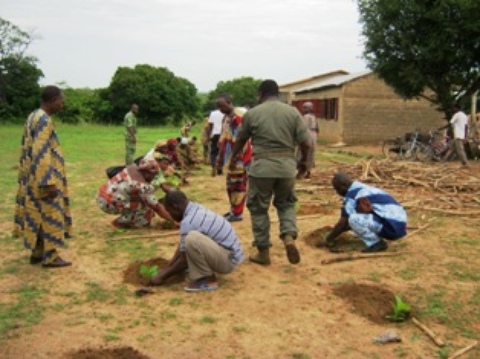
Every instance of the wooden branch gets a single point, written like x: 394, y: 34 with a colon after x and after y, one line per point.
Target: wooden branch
x: 366, y: 171
x: 144, y: 236
x: 427, y: 331
x: 352, y: 257
x: 463, y: 351
x: 413, y: 180
x: 418, y: 230
x: 446, y: 211
x: 374, y: 174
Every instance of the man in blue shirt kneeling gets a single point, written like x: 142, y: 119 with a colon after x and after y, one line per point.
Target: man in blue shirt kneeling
x: 371, y: 213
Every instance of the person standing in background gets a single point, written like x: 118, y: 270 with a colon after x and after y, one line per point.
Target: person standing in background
x: 42, y: 213
x: 275, y: 130
x: 312, y: 126
x: 459, y: 124
x: 214, y: 130
x: 237, y: 177
x: 130, y: 122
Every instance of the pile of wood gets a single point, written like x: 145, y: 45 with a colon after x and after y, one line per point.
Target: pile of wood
x: 438, y: 187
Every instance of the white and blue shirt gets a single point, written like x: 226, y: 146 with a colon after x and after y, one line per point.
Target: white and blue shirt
x: 386, y: 210
x: 201, y: 219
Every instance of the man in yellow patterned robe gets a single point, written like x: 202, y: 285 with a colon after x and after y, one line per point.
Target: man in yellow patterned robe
x: 42, y: 214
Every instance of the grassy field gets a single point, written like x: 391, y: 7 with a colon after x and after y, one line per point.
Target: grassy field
x: 282, y: 311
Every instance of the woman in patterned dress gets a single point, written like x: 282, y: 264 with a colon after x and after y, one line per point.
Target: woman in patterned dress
x: 131, y: 195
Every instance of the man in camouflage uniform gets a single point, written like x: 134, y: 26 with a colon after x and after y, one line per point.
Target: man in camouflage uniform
x: 275, y: 130
x: 130, y: 122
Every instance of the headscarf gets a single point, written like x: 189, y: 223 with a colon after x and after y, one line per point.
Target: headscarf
x: 160, y: 143
x: 161, y: 156
x: 149, y: 164
x: 171, y: 143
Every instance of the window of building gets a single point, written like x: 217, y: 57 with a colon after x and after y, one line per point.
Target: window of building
x: 325, y: 109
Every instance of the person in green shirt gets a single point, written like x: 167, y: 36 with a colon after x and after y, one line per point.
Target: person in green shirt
x: 130, y: 122
x: 275, y: 130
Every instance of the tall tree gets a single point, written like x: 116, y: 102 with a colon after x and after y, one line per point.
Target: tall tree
x: 424, y: 48
x: 19, y: 75
x: 161, y: 95
x: 243, y: 91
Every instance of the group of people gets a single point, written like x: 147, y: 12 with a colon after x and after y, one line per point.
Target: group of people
x: 265, y: 139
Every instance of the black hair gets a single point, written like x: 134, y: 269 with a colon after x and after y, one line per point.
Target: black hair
x: 50, y: 93
x: 225, y: 96
x: 175, y: 197
x: 268, y: 88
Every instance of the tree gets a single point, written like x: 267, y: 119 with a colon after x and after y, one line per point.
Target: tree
x: 424, y: 48
x: 79, y: 105
x: 19, y: 75
x: 243, y: 91
x: 161, y: 95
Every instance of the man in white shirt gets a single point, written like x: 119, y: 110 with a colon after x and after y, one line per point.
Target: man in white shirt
x: 214, y: 129
x: 459, y: 123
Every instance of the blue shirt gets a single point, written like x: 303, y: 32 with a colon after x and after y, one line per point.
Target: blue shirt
x: 386, y: 209
x: 201, y: 219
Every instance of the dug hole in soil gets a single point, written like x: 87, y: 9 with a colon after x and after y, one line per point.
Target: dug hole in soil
x: 107, y: 353
x: 132, y: 273
x: 368, y: 301
x: 345, y: 242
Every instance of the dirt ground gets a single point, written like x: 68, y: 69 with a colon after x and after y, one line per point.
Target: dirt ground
x: 302, y: 311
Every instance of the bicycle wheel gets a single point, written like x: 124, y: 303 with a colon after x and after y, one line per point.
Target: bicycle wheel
x: 391, y: 149
x: 407, y: 150
x: 424, y: 153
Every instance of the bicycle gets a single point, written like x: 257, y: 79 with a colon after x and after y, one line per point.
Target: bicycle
x: 406, y: 148
x: 440, y: 148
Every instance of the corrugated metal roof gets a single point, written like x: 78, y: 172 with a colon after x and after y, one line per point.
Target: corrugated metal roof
x: 334, y: 81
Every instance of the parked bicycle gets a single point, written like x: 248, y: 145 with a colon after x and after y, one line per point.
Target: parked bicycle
x: 439, y: 148
x: 406, y: 148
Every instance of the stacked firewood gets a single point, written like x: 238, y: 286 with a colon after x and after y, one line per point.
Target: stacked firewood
x: 438, y: 187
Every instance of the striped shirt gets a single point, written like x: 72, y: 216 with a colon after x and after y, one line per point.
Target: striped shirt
x: 201, y: 219
x: 386, y: 210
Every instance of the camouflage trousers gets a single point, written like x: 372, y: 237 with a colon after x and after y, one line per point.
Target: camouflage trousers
x: 130, y: 148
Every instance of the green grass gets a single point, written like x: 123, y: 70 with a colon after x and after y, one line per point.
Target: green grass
x: 26, y: 310
x: 88, y: 150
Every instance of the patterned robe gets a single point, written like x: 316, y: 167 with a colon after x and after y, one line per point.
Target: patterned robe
x: 130, y: 198
x: 236, y: 179
x: 42, y: 164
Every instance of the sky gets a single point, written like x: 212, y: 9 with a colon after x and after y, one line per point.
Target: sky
x: 83, y: 42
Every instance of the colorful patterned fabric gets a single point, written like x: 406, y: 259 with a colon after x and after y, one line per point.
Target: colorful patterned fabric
x: 149, y: 164
x: 171, y: 151
x: 130, y: 198
x: 388, y: 220
x: 236, y: 179
x: 42, y: 164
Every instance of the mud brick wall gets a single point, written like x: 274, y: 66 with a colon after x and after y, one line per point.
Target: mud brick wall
x: 369, y: 111
x: 372, y: 112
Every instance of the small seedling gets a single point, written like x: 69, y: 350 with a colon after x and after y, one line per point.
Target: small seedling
x: 401, y: 310
x: 297, y: 206
x: 148, y: 272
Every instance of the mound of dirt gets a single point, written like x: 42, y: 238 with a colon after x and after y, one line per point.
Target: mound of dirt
x: 108, y: 353
x: 132, y: 273
x: 368, y: 301
x: 346, y: 242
